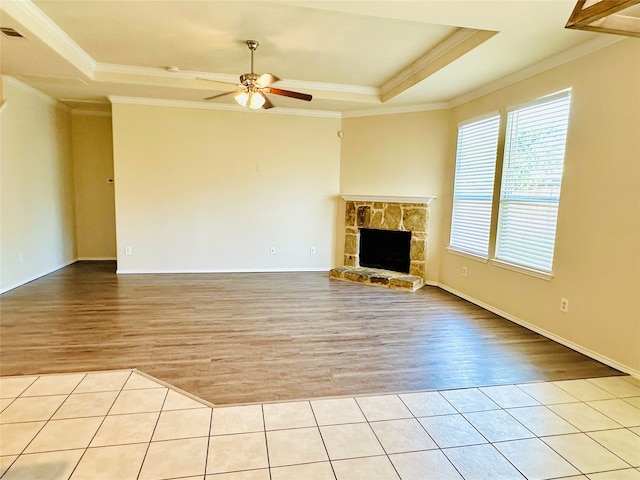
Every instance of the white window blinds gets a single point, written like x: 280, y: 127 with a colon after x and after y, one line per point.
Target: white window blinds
x: 531, y: 177
x: 473, y: 186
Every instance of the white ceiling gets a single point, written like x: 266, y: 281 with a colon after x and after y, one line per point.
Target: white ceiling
x: 353, y: 56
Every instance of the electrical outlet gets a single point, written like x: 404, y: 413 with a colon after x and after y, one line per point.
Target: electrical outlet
x: 21, y: 257
x: 127, y: 250
x: 273, y: 251
x: 564, y: 305
x: 312, y: 251
x: 464, y: 271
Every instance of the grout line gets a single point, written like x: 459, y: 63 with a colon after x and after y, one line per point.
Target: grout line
x: 322, y: 439
x: 206, y: 458
x: 266, y: 442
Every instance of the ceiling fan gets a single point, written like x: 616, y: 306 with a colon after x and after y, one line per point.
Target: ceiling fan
x: 252, y: 90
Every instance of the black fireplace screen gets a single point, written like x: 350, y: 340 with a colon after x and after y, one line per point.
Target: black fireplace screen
x: 386, y: 249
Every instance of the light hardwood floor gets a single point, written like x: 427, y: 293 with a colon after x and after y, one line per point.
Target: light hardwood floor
x: 236, y: 338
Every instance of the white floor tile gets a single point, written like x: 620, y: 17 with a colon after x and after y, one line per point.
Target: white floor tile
x: 547, y: 393
x: 509, y: 396
x: 231, y: 453
x: 535, y: 459
x: 427, y: 465
x: 635, y: 401
x: 102, y: 382
x: 623, y: 443
x: 11, y: 387
x: 139, y: 401
x: 498, y: 426
x: 583, y: 417
x: 469, y: 400
x: 618, y: 386
x: 480, y: 462
x: 5, y: 462
x: 174, y: 459
x: 280, y: 416
x: 427, y: 404
x: 86, y: 405
x: 310, y: 471
x: 406, y: 435
x: 262, y: 474
x: 32, y: 409
x: 65, y: 435
x: 337, y: 411
x: 584, y: 390
x: 370, y: 468
x: 350, y: 441
x: 451, y: 431
x: 628, y: 474
x: 293, y: 447
x: 584, y: 453
x: 242, y: 419
x: 5, y: 402
x: 622, y: 412
x: 175, y: 424
x: 14, y: 437
x: 177, y: 401
x: 137, y: 381
x: 123, y: 429
x: 120, y: 462
x: 44, y: 466
x: 542, y: 421
x: 383, y: 407
x: 53, y: 385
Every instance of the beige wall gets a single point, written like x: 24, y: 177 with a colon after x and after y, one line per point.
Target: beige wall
x: 402, y: 154
x: 37, y: 219
x: 205, y: 190
x: 94, y: 195
x: 597, y: 257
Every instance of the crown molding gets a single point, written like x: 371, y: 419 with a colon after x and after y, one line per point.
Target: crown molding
x: 229, y: 78
x: 374, y: 112
x: 40, y: 25
x: 158, y: 102
x: 14, y: 82
x: 561, y: 58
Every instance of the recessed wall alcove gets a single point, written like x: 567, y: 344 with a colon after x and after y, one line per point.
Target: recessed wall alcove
x: 392, y: 213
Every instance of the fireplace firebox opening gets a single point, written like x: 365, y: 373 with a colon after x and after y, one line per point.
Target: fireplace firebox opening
x: 385, y: 249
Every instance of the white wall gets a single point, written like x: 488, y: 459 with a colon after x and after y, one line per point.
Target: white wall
x: 37, y: 218
x: 205, y: 190
x: 94, y: 195
x: 597, y: 256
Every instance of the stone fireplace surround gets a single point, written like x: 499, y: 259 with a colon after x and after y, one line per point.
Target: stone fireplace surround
x: 385, y: 212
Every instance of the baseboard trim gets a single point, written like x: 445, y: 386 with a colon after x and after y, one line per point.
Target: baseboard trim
x: 95, y: 259
x: 545, y: 333
x: 35, y: 277
x: 122, y: 271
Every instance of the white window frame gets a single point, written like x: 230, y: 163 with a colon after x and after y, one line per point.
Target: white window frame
x: 528, y: 211
x: 474, y: 183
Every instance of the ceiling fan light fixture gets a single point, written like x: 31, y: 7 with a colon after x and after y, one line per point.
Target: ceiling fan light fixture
x: 242, y: 98
x: 253, y: 100
x: 256, y: 100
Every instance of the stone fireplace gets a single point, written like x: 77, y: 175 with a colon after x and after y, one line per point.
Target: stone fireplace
x: 391, y: 213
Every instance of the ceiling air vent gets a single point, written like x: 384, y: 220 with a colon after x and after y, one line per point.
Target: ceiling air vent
x: 10, y: 32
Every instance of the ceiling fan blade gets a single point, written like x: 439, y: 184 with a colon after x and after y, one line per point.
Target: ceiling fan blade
x: 266, y: 79
x: 289, y: 93
x: 220, y: 95
x: 267, y: 102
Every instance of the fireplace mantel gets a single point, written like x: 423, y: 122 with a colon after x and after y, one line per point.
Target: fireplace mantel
x: 389, y: 198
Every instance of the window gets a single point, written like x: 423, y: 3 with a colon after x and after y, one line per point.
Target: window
x: 473, y: 186
x: 531, y: 175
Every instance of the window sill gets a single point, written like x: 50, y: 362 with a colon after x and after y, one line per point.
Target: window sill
x: 471, y: 256
x: 527, y: 271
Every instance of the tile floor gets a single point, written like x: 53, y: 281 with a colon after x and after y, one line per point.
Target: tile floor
x: 125, y: 425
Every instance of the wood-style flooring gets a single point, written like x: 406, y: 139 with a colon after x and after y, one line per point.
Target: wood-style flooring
x: 258, y: 337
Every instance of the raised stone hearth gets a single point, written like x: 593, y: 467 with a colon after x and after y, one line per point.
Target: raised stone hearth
x: 384, y: 212
x: 380, y: 278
